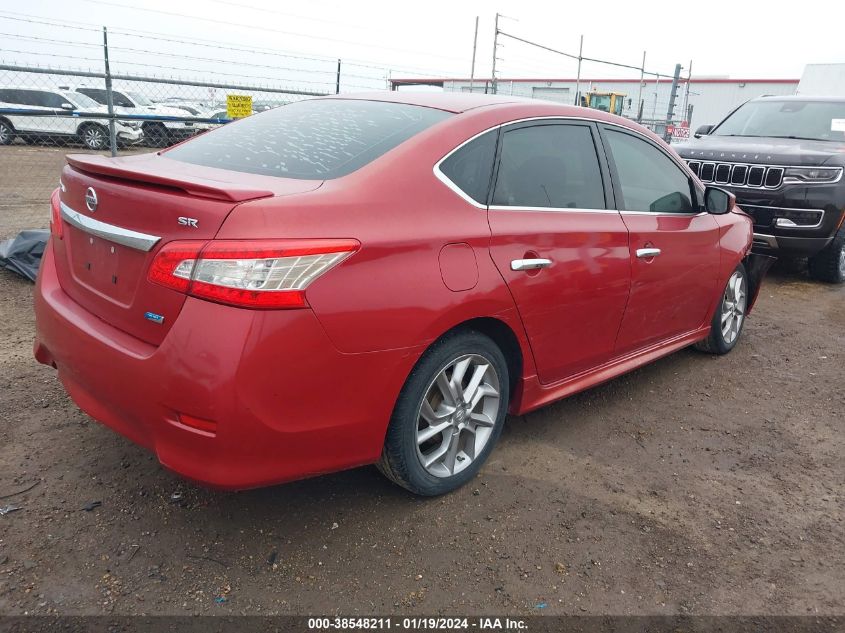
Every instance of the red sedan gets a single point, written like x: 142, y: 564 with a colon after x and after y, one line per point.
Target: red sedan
x: 378, y: 279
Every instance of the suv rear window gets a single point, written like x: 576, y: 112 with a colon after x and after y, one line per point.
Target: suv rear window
x: 312, y: 140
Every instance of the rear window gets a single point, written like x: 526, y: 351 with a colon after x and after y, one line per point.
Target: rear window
x: 312, y: 140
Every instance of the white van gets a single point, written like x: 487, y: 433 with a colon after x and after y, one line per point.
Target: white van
x: 52, y: 114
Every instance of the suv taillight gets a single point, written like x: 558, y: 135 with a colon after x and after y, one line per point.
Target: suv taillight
x: 248, y: 273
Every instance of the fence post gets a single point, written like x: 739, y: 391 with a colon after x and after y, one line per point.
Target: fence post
x: 337, y: 80
x: 640, y: 94
x: 109, y: 96
x: 578, y: 76
x: 495, y: 51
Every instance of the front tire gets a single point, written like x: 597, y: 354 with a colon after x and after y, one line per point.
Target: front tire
x: 729, y: 317
x: 156, y: 135
x: 448, y: 416
x: 94, y: 136
x: 829, y: 264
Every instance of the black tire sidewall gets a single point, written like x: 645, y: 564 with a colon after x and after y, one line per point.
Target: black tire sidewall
x: 10, y: 133
x: 717, y: 338
x: 401, y: 441
x: 825, y: 265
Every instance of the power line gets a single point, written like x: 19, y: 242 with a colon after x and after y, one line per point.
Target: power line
x: 218, y: 45
x: 260, y: 28
x: 290, y: 15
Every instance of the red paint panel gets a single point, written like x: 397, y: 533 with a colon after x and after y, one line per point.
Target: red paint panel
x: 458, y: 267
x: 571, y: 310
x: 671, y: 294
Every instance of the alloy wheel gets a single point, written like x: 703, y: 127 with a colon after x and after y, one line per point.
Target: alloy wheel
x: 5, y: 134
x: 94, y: 137
x: 457, y: 415
x: 733, y: 307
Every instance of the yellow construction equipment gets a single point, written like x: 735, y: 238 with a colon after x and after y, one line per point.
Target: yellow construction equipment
x: 612, y: 102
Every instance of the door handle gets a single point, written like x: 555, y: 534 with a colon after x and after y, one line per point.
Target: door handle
x: 530, y: 264
x: 647, y: 253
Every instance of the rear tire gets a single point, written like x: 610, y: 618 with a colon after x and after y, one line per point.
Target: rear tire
x: 7, y: 133
x: 829, y: 264
x: 729, y: 316
x: 448, y: 415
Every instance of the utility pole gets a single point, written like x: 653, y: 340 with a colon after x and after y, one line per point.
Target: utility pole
x: 673, y: 93
x: 640, y: 95
x: 670, y: 113
x: 578, y: 76
x: 109, y: 96
x: 495, y: 50
x: 474, y: 47
x: 686, y: 90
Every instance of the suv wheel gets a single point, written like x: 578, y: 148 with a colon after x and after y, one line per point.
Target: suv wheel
x: 7, y: 133
x: 448, y: 416
x: 94, y: 136
x: 726, y: 327
x: 156, y: 135
x: 829, y: 264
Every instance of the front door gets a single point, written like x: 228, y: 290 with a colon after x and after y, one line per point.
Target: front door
x: 561, y: 249
x: 674, y: 244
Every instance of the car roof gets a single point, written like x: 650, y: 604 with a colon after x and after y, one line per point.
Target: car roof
x: 448, y: 101
x: 39, y: 88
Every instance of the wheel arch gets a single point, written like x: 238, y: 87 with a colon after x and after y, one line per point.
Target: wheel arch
x: 7, y: 122
x: 86, y: 124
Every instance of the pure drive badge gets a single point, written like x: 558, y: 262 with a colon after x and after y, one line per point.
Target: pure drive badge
x: 155, y: 318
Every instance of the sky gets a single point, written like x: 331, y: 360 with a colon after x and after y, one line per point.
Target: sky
x: 376, y: 39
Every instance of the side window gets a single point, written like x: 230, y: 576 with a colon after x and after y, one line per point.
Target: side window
x: 650, y: 180
x: 25, y: 97
x: 96, y: 94
x: 119, y: 99
x: 549, y: 166
x: 49, y: 99
x: 471, y: 167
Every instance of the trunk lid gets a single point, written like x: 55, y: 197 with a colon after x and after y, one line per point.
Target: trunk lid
x: 142, y: 203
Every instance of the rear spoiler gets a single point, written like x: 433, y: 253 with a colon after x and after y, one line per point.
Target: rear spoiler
x: 157, y: 170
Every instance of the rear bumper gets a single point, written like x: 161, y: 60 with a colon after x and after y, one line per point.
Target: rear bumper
x: 277, y: 400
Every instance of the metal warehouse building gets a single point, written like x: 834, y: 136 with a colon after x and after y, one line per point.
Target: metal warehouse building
x: 710, y: 98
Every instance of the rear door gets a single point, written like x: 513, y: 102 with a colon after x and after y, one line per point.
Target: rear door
x: 674, y: 245
x: 559, y: 245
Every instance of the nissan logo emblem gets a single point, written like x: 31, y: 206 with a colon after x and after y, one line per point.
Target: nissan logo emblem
x: 91, y: 199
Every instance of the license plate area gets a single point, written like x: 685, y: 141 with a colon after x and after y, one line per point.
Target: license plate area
x: 104, y: 267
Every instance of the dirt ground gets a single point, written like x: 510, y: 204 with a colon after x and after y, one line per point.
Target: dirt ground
x: 696, y: 485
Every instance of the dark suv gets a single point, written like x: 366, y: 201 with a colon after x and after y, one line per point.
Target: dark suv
x: 783, y: 158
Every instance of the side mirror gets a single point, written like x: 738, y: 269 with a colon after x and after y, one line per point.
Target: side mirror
x: 718, y: 201
x: 703, y: 130
x: 67, y: 106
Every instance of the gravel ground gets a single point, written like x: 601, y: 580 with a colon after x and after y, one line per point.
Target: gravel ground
x: 696, y: 485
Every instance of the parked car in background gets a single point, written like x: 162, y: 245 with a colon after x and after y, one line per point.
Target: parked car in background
x: 41, y: 114
x: 346, y: 281
x: 783, y: 157
x: 160, y: 131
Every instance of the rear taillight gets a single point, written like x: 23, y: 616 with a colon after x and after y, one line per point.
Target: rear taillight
x: 250, y: 274
x: 56, y: 216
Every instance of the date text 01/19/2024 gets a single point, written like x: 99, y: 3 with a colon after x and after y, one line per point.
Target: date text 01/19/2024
x: 417, y: 624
